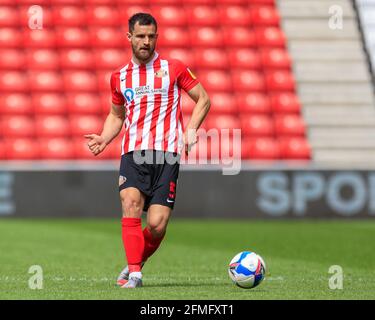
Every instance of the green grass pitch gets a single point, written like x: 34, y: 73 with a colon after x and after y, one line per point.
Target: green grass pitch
x: 81, y: 259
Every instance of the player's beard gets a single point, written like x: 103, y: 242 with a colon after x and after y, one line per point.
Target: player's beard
x: 143, y: 55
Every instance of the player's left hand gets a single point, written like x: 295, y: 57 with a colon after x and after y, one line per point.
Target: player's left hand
x: 190, y: 139
x: 95, y: 143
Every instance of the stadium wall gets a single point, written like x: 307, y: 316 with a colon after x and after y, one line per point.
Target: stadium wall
x: 253, y: 193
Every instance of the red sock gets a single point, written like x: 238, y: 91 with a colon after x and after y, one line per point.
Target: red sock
x: 133, y: 240
x: 151, y: 243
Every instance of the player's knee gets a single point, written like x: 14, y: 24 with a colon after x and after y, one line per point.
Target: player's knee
x: 157, y: 229
x: 131, y: 206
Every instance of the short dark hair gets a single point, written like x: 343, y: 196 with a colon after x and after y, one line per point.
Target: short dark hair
x: 144, y: 19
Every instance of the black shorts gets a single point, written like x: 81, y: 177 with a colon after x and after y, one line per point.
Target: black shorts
x: 154, y: 173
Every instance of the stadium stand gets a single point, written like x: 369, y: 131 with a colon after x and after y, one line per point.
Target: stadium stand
x: 237, y: 48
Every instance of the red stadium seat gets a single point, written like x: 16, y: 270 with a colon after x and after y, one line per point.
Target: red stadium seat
x: 101, y: 15
x: 257, y: 125
x: 69, y: 15
x: 169, y: 15
x: 206, y: 37
x: 126, y: 11
x: 239, y: 37
x: 280, y: 81
x: 76, y: 59
x: 264, y: 16
x: 222, y: 103
x: 174, y: 37
x: 79, y: 81
x: 43, y: 59
x: 106, y: 37
x: 14, y: 81
x: 15, y: 104
x: 289, y: 125
x: 285, y: 103
x: 296, y: 148
x: 2, y: 148
x: 111, y: 58
x: 84, y: 103
x: 248, y: 80
x: 18, y: 126
x: 49, y: 103
x: 52, y: 126
x: 260, y: 149
x: 30, y: 16
x: 44, y: 38
x: 211, y: 59
x: 46, y: 81
x: 132, y: 2
x: 104, y: 78
x: 181, y: 54
x: 223, y: 122
x: 275, y: 58
x: 253, y: 103
x: 56, y: 148
x: 85, y: 124
x: 106, y: 103
x: 72, y: 37
x: 270, y: 37
x: 66, y: 2
x: 11, y: 38
x: 232, y: 2
x: 203, y: 16
x: 12, y: 59
x: 234, y: 16
x: 82, y: 151
x: 187, y: 104
x: 242, y: 58
x: 22, y: 149
x: 215, y: 80
x: 9, y: 17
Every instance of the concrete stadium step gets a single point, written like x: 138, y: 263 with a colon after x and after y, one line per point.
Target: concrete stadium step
x: 318, y: 29
x: 338, y: 111
x: 341, y: 133
x: 333, y: 93
x: 333, y: 71
x: 339, y: 120
x: 339, y: 50
x: 313, y: 8
x: 354, y: 156
x: 348, y: 143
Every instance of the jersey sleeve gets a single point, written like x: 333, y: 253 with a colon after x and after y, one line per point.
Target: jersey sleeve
x: 117, y: 97
x: 185, y: 78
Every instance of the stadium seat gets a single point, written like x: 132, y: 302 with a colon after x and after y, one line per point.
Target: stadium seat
x: 132, y: 2
x: 253, y: 103
x: 42, y: 59
x: 76, y: 59
x: 11, y: 38
x: 44, y: 38
x: 239, y: 37
x: 270, y: 37
x: 49, y: 103
x: 72, y: 37
x: 22, y: 149
x: 260, y: 149
x: 103, y: 15
x: 257, y: 125
x: 248, y: 80
x: 106, y: 103
x: 187, y: 104
x: 15, y: 104
x: 9, y: 17
x: 211, y: 59
x: 169, y: 15
x: 285, y: 103
x: 223, y: 103
x: 79, y: 81
x: 223, y: 121
x: 232, y: 2
x: 127, y: 10
x: 106, y: 37
x: 81, y: 150
x: 14, y: 81
x: 29, y: 16
x: 234, y: 16
x: 244, y: 58
x: 12, y: 59
x: 52, y: 126
x: 264, y: 16
x: 289, y: 125
x: 206, y: 37
x: 18, y: 126
x: 2, y: 148
x: 279, y: 81
x: 111, y: 58
x: 84, y: 103
x: 295, y: 148
x: 103, y: 78
x: 215, y: 80
x: 182, y: 54
x: 203, y: 16
x: 56, y: 148
x: 275, y: 59
x: 69, y: 15
x: 85, y: 124
x: 47, y: 81
x: 174, y: 37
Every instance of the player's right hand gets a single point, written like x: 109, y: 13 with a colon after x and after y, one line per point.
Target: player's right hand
x: 95, y: 143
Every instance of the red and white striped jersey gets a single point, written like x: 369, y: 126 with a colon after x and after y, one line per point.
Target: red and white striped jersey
x: 151, y: 95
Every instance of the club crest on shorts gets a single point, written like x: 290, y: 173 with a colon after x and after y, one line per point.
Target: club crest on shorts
x: 161, y: 73
x: 121, y: 180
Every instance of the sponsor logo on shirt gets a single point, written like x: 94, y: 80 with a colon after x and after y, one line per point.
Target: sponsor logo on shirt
x: 129, y: 94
